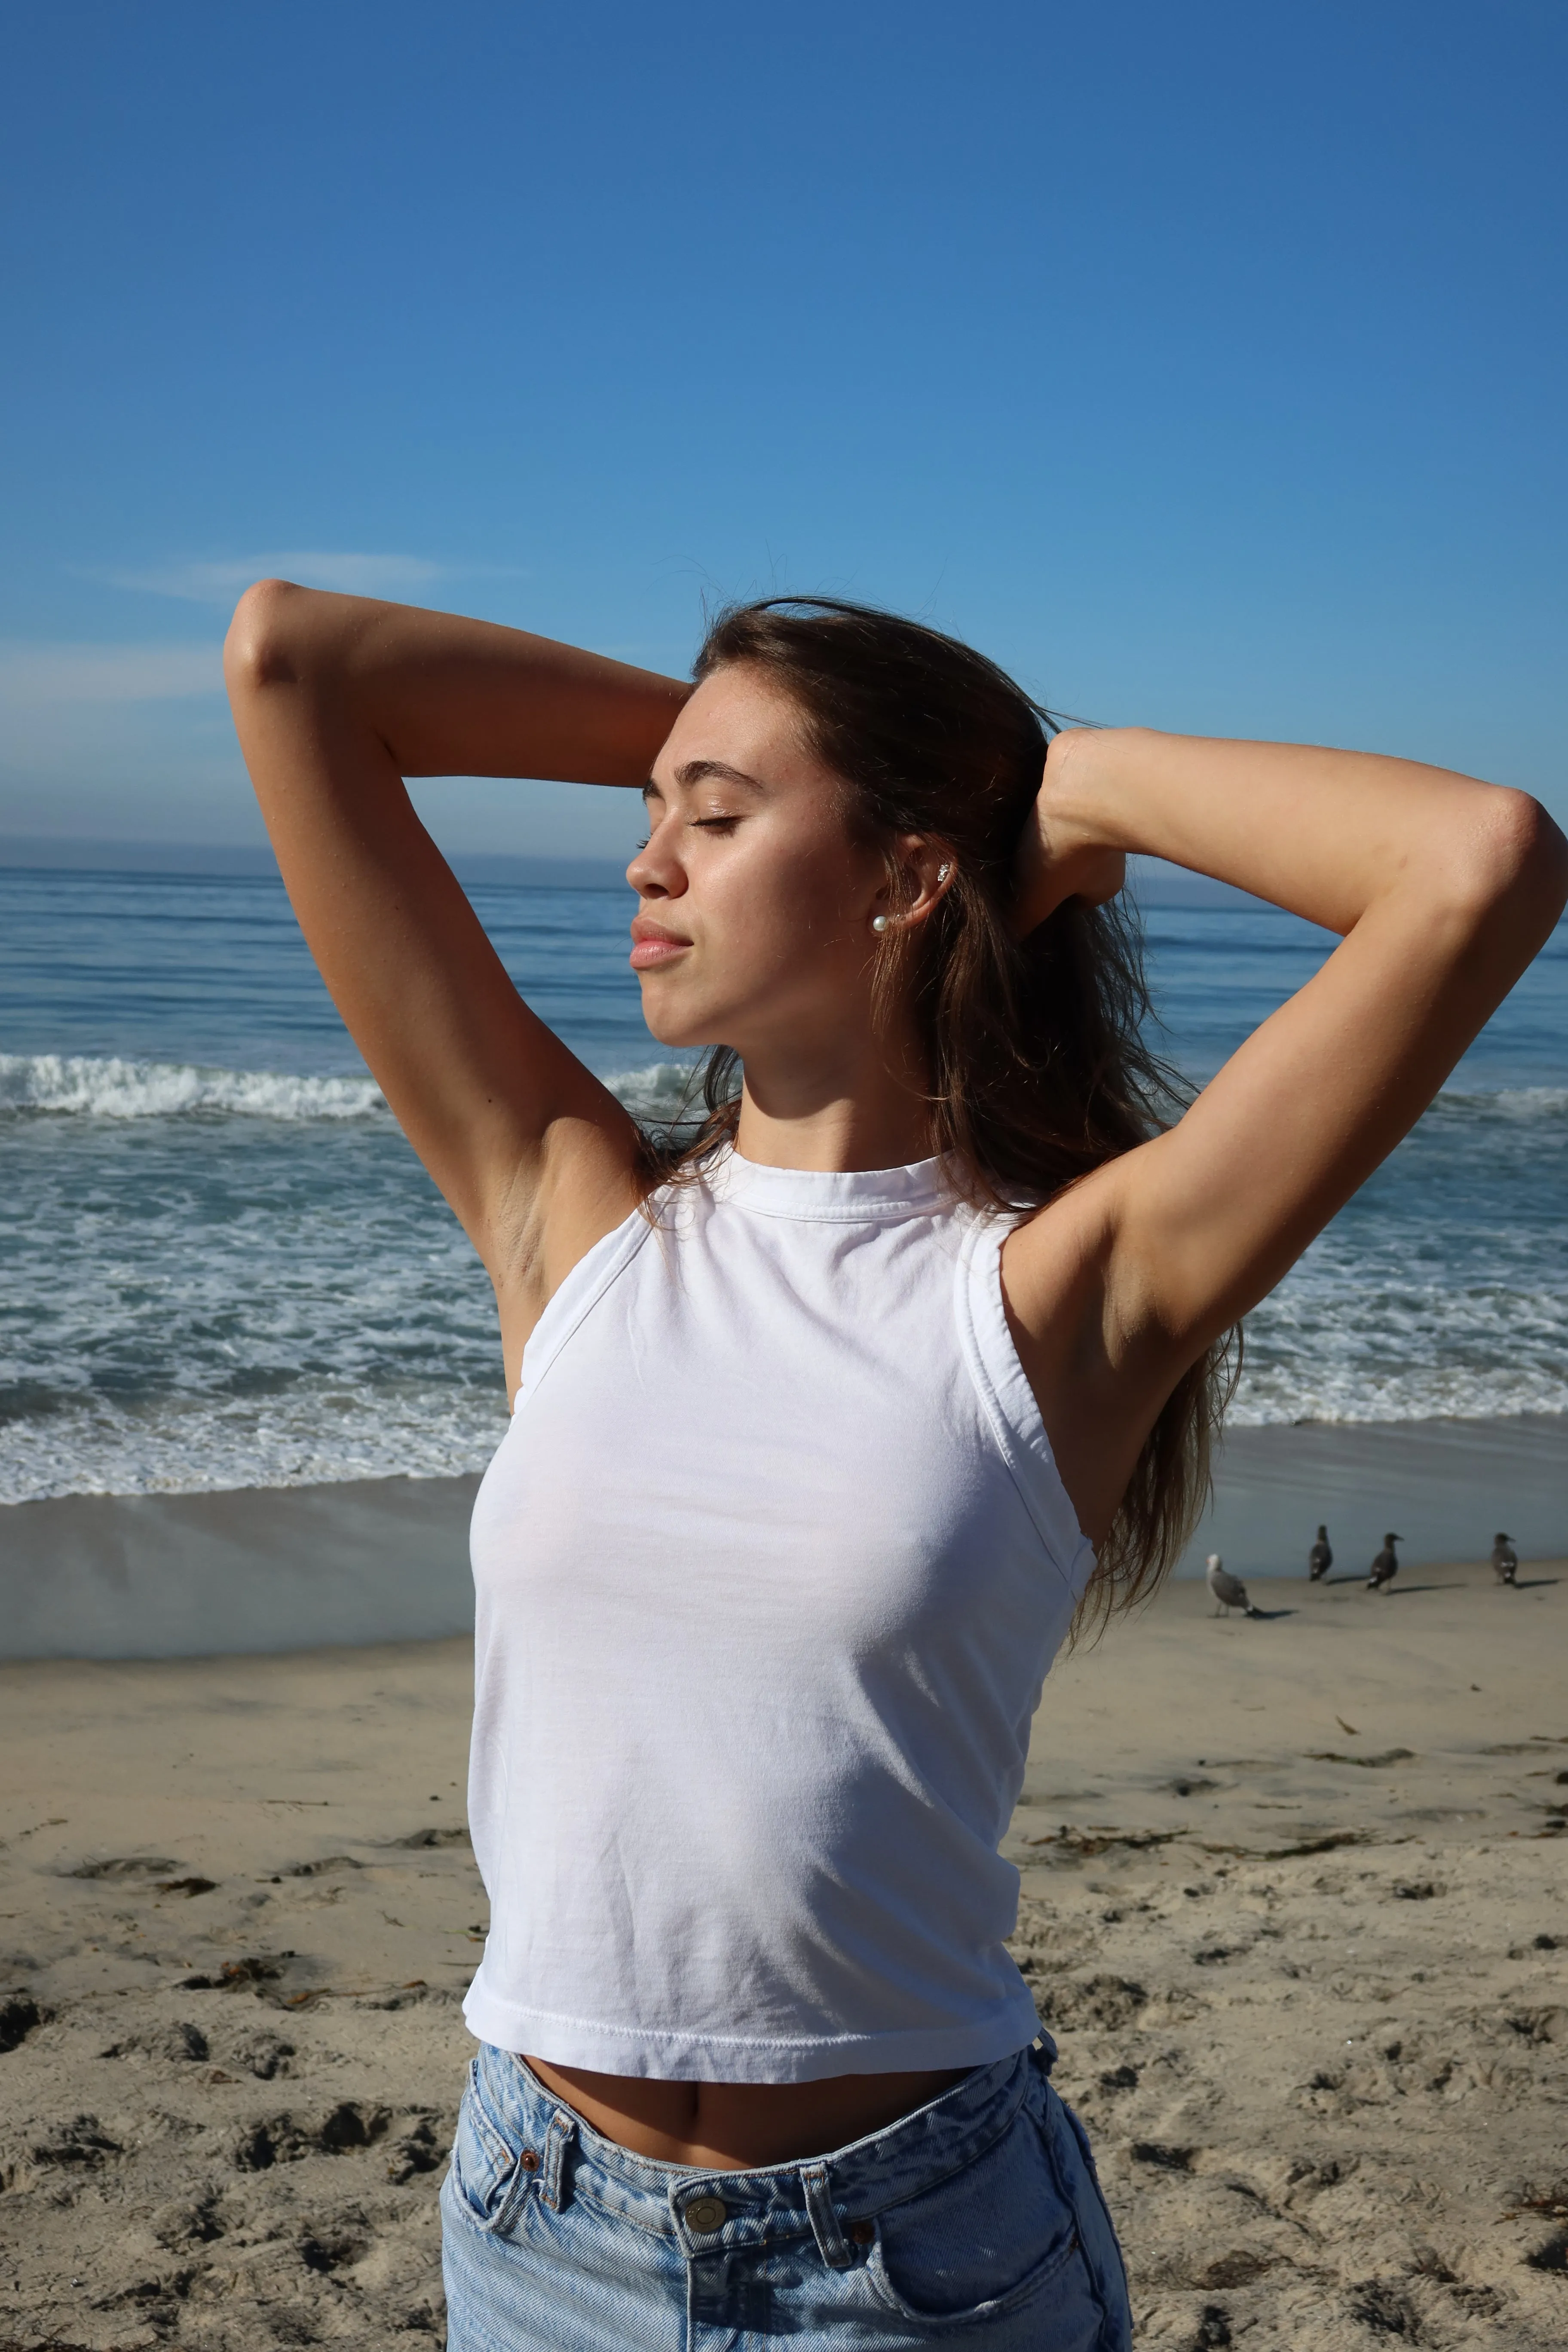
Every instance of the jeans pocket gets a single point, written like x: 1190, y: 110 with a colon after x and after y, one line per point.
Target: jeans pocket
x: 1103, y: 2248
x: 980, y: 2243
x: 1086, y: 2151
x: 486, y: 2174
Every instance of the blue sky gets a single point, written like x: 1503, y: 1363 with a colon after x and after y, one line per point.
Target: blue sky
x: 1203, y: 364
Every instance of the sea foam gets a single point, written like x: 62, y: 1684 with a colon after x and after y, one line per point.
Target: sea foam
x: 114, y: 1088
x: 220, y: 1277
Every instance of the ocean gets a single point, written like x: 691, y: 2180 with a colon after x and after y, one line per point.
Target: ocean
x: 222, y: 1268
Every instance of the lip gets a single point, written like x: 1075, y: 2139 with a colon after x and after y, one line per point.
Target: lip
x: 652, y: 946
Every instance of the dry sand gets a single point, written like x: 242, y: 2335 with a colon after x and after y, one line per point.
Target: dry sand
x: 1292, y: 1904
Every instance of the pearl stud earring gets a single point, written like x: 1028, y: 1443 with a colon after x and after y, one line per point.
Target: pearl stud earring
x: 878, y: 922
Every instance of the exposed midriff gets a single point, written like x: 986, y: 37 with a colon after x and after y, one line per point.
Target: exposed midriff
x: 723, y: 2127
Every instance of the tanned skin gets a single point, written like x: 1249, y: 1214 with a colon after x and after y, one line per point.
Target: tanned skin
x: 753, y: 925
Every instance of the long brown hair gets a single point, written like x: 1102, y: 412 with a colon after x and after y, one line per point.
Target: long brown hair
x: 1038, y: 1069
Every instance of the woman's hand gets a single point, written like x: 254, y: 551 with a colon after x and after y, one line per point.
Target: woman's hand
x: 1061, y: 856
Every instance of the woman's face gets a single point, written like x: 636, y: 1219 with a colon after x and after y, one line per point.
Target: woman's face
x: 755, y: 925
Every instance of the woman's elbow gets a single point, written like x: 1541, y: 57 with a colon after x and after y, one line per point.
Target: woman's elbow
x: 1520, y: 859
x: 265, y: 643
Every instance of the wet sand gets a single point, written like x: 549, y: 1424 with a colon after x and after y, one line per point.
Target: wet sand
x: 387, y: 1559
x: 1292, y: 1904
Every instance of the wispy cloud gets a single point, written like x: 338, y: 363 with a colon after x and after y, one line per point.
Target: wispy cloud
x: 220, y: 583
x: 32, y: 676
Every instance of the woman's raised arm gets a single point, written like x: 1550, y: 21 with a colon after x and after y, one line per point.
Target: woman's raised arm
x: 1443, y: 890
x: 336, y: 701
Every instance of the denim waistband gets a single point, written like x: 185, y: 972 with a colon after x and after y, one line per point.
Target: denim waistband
x: 563, y: 2157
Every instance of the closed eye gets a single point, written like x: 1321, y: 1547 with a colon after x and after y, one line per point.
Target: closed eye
x: 715, y: 823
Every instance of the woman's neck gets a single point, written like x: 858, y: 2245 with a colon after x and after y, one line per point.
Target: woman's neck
x: 836, y: 1094
x: 833, y: 1132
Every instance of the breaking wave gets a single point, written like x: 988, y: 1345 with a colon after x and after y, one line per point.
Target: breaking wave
x: 220, y: 1277
x: 91, y: 1087
x: 122, y: 1089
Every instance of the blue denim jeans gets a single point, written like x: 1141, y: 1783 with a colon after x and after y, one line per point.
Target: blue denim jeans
x: 976, y: 2220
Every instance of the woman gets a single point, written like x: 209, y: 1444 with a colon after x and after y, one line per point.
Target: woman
x: 829, y: 1423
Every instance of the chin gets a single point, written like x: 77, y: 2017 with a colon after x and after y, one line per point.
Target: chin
x: 671, y: 1024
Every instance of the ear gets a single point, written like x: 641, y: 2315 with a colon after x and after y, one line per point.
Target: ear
x: 927, y: 869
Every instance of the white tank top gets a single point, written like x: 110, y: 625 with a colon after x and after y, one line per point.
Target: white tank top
x: 770, y: 1566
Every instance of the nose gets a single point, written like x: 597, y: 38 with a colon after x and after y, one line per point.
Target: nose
x: 656, y: 872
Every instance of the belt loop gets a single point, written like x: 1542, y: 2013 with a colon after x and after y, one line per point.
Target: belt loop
x: 824, y: 2220
x: 558, y: 2137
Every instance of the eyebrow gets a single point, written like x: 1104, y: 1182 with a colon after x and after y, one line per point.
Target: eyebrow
x: 697, y: 772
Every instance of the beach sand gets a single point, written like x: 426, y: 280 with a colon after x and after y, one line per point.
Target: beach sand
x: 1292, y: 1904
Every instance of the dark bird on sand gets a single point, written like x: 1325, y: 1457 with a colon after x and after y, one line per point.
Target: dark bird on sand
x: 1385, y: 1567
x: 1321, y: 1559
x: 1227, y: 1590
x: 1505, y: 1561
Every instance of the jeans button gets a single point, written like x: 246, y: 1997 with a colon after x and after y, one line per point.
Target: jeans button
x: 706, y: 2214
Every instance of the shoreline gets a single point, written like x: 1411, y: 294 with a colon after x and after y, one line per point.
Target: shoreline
x: 1444, y: 1487
x: 272, y: 1569
x: 238, y: 1571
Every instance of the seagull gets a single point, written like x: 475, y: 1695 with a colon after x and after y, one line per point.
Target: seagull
x: 1385, y: 1567
x: 1227, y: 1590
x: 1505, y: 1561
x: 1321, y: 1559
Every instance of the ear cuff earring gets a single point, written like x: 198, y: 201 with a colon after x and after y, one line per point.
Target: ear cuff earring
x: 879, y: 922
